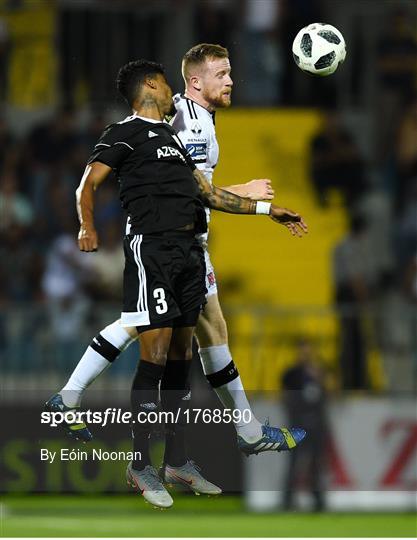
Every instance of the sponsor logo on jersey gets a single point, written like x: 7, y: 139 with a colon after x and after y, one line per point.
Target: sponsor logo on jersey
x: 197, y: 151
x: 168, y: 151
x: 198, y: 140
x: 196, y: 127
x: 152, y: 134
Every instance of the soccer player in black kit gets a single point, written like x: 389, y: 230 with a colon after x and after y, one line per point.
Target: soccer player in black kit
x: 164, y: 277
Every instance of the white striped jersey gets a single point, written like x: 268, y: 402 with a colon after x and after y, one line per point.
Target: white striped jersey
x: 196, y: 130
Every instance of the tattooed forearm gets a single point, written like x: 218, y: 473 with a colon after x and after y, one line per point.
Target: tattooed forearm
x: 225, y: 201
x: 222, y: 200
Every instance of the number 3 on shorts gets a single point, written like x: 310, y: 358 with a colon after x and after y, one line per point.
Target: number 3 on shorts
x: 159, y: 295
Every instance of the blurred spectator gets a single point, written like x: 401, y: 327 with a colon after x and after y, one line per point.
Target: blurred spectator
x: 262, y: 53
x: 305, y: 404
x: 21, y: 270
x: 406, y: 237
x: 355, y: 278
x: 55, y: 156
x: 298, y: 88
x: 93, y: 131
x: 21, y: 266
x: 8, y: 148
x: 396, y: 54
x: 406, y: 153
x: 396, y: 75
x: 410, y: 279
x: 47, y: 168
x: 51, y: 142
x: 376, y: 205
x: 67, y: 274
x: 336, y: 162
x: 215, y: 22
x: 108, y: 263
x: 20, y: 263
x: 15, y: 209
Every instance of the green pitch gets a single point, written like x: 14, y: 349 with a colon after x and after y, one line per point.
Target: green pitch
x: 127, y: 516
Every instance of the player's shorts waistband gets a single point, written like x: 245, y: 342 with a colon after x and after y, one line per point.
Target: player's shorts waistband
x: 183, y: 232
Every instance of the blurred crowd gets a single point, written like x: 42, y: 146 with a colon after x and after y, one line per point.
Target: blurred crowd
x: 40, y: 260
x: 374, y: 267
x: 38, y: 221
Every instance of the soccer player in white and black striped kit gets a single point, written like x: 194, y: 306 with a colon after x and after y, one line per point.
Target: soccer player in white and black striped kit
x: 148, y: 216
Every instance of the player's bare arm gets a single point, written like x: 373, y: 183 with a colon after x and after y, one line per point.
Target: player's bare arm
x: 222, y: 200
x: 259, y: 189
x: 94, y: 174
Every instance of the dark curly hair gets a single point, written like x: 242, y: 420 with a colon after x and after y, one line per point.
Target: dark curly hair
x: 131, y: 77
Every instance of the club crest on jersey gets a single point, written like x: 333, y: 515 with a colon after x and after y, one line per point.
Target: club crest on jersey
x: 196, y: 127
x: 167, y: 152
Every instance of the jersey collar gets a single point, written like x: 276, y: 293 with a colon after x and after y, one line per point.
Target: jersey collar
x: 145, y: 119
x: 211, y: 114
x: 151, y: 120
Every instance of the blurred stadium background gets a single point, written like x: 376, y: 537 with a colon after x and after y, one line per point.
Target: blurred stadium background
x: 339, y: 305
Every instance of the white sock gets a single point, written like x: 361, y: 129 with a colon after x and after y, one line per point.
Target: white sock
x: 99, y: 355
x: 231, y: 393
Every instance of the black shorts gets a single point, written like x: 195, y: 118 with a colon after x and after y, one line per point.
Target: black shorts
x: 163, y: 280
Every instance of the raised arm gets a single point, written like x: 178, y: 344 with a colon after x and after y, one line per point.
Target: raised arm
x: 93, y: 176
x: 224, y: 201
x: 259, y: 189
x: 220, y: 199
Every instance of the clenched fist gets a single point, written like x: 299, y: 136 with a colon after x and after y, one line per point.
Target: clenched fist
x: 87, y: 238
x: 260, y: 189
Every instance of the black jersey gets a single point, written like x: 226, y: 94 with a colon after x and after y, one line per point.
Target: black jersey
x: 157, y: 186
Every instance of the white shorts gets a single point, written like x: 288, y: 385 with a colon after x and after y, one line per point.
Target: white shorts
x: 211, y: 283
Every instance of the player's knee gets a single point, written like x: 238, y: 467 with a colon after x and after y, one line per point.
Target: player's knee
x: 132, y: 331
x: 188, y: 353
x: 218, y: 327
x: 180, y: 351
x: 212, y: 332
x: 158, y: 355
x: 159, y: 358
x: 218, y: 337
x: 220, y: 331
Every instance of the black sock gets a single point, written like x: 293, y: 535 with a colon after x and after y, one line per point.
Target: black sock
x: 143, y: 400
x: 175, y: 395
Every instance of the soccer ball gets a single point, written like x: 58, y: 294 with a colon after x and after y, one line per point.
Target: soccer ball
x: 318, y: 49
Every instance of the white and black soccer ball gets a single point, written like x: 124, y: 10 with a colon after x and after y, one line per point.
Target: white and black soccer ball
x: 319, y: 48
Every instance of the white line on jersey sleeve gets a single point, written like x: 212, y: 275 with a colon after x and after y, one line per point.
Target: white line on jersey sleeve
x: 122, y: 142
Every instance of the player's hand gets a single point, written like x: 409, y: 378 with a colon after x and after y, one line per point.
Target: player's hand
x: 293, y: 221
x: 260, y: 189
x: 87, y: 238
